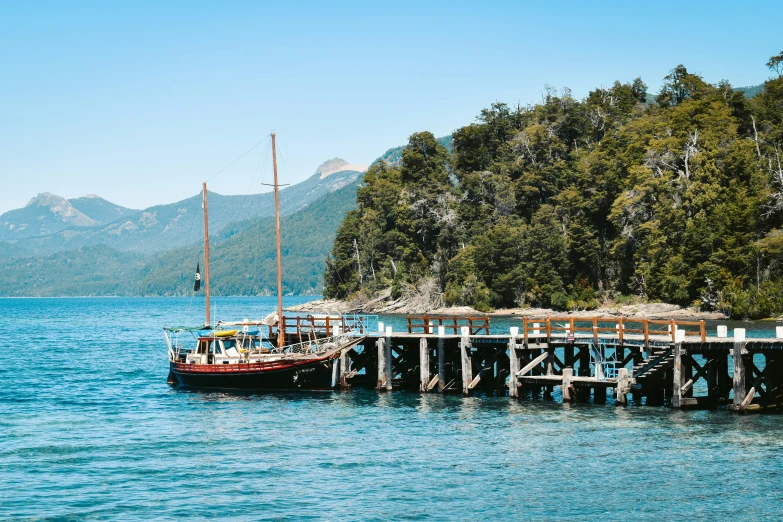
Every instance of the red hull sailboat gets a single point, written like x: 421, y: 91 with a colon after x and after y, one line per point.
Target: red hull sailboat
x: 237, y: 355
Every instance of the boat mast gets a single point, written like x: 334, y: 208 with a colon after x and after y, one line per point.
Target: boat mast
x: 280, y: 326
x: 206, y: 248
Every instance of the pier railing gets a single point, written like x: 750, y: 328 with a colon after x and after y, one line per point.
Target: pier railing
x: 622, y: 328
x: 428, y: 324
x: 550, y: 327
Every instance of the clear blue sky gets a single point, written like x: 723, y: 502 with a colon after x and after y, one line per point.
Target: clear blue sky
x: 140, y: 102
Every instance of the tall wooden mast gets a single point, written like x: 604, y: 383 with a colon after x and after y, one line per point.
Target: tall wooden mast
x: 206, y: 248
x: 280, y: 325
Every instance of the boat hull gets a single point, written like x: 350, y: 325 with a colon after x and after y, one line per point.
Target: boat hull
x: 283, y: 375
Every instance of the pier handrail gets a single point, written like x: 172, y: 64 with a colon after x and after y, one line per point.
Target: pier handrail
x: 569, y: 326
x: 428, y: 323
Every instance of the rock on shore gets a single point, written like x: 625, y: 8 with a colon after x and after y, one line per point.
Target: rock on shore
x: 383, y: 304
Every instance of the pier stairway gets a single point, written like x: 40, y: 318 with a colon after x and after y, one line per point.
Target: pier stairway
x: 662, y: 359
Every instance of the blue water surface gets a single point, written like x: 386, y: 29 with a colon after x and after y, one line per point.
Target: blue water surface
x: 89, y: 430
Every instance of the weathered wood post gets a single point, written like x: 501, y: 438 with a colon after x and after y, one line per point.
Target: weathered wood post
x: 568, y: 373
x: 513, y: 362
x: 441, y: 359
x: 599, y: 370
x: 623, y: 386
x: 740, y: 391
x: 549, y: 365
x: 381, y: 344
x: 389, y: 358
x: 424, y: 365
x: 712, y: 380
x: 345, y: 368
x: 336, y: 372
x: 677, y: 376
x: 467, y: 366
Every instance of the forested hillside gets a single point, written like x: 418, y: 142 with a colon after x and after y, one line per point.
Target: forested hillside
x: 242, y: 260
x: 571, y: 202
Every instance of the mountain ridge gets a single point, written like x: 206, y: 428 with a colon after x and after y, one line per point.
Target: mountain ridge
x: 160, y: 227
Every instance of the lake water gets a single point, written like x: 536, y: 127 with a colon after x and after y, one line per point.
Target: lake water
x: 89, y: 429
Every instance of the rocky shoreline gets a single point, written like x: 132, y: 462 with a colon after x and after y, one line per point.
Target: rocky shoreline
x: 383, y: 304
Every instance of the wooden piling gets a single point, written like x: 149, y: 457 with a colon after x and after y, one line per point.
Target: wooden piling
x: 467, y: 367
x: 441, y: 365
x: 623, y: 386
x: 549, y: 364
x: 740, y: 391
x: 389, y: 359
x: 678, y: 376
x: 424, y: 365
x: 567, y: 389
x: 599, y: 394
x: 381, y: 344
x: 513, y: 368
x: 344, y: 370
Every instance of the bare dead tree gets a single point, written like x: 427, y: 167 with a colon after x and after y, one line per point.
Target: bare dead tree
x: 358, y: 262
x: 755, y: 136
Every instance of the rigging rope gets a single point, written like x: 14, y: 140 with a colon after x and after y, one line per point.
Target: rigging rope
x: 240, y: 157
x: 313, y: 223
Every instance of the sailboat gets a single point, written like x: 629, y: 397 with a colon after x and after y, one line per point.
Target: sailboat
x: 252, y: 355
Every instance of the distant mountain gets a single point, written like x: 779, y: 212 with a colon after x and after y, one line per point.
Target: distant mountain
x: 163, y: 227
x: 331, y: 166
x: 10, y: 250
x: 48, y: 214
x: 45, y: 214
x: 751, y: 91
x: 99, y: 209
x: 242, y: 260
x: 90, y: 246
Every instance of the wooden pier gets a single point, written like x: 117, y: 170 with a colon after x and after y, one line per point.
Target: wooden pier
x: 579, y: 359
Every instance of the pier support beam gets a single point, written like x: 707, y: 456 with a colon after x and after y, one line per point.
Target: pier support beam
x: 599, y: 394
x: 381, y: 344
x: 389, y: 362
x: 623, y: 386
x: 441, y: 364
x: 467, y: 365
x: 513, y: 365
x: 678, y: 376
x: 345, y: 368
x: 740, y: 382
x: 424, y: 365
x: 568, y: 390
x: 549, y: 369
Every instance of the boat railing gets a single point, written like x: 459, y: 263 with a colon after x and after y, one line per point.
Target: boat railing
x: 311, y: 347
x: 307, y: 327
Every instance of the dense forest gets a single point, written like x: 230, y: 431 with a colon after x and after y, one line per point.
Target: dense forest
x: 570, y: 203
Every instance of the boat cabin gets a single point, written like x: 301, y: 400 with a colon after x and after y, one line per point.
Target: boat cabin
x: 227, y: 350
